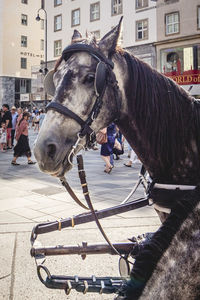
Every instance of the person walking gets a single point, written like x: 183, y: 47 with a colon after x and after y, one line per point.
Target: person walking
x: 19, y: 114
x: 133, y: 159
x: 107, y: 148
x: 36, y: 121
x: 14, y: 123
x: 7, y: 119
x: 22, y: 146
x: 41, y: 117
x: 3, y: 137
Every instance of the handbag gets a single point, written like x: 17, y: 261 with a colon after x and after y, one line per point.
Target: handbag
x: 101, y: 137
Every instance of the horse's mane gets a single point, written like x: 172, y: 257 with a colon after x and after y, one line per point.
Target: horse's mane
x: 163, y: 112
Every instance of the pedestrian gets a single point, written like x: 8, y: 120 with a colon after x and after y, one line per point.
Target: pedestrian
x: 36, y: 121
x: 1, y: 116
x: 14, y: 123
x: 119, y: 144
x: 19, y: 115
x: 41, y: 117
x: 133, y: 159
x: 22, y: 146
x: 3, y: 137
x: 107, y: 148
x: 7, y: 119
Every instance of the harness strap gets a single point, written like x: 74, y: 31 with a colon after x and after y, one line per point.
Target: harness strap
x: 70, y: 191
x: 65, y: 111
x: 69, y: 50
x: 89, y: 203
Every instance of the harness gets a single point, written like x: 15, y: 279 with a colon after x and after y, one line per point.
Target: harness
x: 103, y: 76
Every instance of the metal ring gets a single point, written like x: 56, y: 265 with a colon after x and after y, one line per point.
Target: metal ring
x: 39, y: 273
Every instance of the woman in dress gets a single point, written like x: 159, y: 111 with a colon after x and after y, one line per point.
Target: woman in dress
x: 22, y: 146
x: 107, y: 148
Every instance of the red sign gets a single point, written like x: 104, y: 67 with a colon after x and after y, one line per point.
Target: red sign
x: 188, y: 77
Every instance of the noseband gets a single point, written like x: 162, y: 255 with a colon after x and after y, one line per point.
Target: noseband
x: 104, y: 67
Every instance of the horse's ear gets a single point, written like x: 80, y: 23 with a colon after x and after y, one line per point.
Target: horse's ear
x: 76, y: 36
x: 109, y: 42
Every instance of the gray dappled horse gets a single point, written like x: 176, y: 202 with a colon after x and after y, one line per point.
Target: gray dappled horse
x: 96, y: 84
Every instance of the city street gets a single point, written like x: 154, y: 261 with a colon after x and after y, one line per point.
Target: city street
x: 29, y: 197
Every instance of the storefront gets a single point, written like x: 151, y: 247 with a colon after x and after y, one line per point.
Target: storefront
x: 182, y: 64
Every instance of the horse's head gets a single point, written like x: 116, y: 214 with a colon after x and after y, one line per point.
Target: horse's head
x: 84, y: 92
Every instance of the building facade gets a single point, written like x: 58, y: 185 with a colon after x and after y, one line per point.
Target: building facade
x: 178, y: 45
x: 21, y: 47
x: 99, y: 17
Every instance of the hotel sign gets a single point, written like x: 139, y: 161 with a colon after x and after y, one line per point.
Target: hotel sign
x: 30, y: 54
x: 187, y: 78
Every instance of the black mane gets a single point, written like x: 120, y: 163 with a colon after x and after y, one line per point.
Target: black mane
x: 164, y: 114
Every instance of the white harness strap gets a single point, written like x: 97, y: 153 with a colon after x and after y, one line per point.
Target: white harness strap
x: 169, y: 187
x: 174, y: 186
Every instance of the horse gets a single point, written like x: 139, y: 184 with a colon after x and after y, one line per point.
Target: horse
x: 94, y: 84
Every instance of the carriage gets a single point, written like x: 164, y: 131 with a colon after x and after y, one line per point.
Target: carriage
x: 93, y: 85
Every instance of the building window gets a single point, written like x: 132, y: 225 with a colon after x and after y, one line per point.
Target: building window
x: 25, y: 1
x: 141, y: 4
x: 172, y: 23
x: 23, y: 63
x: 41, y: 44
x: 42, y: 24
x: 96, y: 33
x: 181, y: 61
x: 198, y: 17
x: 58, y: 23
x: 57, y: 2
x: 24, y: 19
x: 57, y: 48
x: 94, y: 11
x: 142, y: 30
x: 116, y: 7
x: 23, y: 41
x: 76, y: 17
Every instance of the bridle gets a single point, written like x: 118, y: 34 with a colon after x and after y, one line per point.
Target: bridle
x: 103, y: 69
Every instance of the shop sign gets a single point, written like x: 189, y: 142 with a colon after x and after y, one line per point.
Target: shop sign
x: 30, y: 54
x: 187, y: 78
x: 24, y: 97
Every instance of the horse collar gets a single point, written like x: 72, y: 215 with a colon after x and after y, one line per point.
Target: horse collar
x: 104, y: 66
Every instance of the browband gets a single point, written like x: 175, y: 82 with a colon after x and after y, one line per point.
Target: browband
x: 69, y: 50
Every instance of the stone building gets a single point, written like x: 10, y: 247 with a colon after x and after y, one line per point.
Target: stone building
x: 178, y: 44
x: 21, y: 47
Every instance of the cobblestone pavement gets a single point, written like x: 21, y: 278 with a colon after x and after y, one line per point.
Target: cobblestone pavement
x: 28, y: 197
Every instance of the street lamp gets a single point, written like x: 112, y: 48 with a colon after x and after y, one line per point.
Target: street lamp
x: 45, y: 71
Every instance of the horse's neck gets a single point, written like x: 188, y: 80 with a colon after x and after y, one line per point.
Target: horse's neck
x: 156, y: 153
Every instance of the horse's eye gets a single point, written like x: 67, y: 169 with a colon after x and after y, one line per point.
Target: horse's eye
x: 89, y: 78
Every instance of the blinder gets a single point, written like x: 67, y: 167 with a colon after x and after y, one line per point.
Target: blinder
x: 49, y: 86
x: 100, y: 78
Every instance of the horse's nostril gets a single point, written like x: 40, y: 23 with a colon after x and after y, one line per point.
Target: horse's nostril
x: 51, y: 150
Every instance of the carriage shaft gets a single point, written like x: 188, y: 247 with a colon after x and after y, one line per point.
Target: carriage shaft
x: 88, y: 217
x: 122, y: 248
